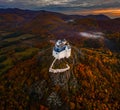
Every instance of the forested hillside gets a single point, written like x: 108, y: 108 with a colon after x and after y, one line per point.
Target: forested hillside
x: 26, y: 42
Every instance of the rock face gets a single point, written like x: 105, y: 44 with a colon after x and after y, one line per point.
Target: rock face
x: 54, y: 100
x: 62, y: 82
x: 60, y: 79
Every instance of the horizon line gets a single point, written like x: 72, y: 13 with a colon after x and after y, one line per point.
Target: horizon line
x: 85, y: 12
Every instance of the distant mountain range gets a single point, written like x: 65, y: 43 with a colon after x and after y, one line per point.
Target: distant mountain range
x: 29, y: 20
x: 15, y: 18
x: 31, y: 12
x: 36, y: 21
x: 58, y: 24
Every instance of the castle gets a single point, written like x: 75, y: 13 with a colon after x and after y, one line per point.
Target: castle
x: 62, y: 49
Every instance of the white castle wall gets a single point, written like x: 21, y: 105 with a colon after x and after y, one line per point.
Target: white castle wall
x: 58, y: 70
x: 58, y: 55
x: 68, y: 53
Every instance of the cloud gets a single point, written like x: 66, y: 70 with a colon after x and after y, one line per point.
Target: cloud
x: 10, y: 0
x: 94, y: 35
x: 68, y: 3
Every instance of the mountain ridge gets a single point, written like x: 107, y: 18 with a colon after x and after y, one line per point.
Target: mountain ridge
x: 29, y: 15
x: 17, y: 10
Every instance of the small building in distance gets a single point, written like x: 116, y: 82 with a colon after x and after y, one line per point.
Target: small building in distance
x: 62, y: 49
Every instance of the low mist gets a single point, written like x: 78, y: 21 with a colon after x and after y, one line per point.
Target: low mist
x: 93, y: 35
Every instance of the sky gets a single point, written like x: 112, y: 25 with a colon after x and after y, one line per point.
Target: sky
x: 81, y: 7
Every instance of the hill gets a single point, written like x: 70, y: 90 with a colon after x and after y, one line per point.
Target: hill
x: 26, y: 41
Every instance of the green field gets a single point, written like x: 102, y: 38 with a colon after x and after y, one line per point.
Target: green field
x: 12, y: 49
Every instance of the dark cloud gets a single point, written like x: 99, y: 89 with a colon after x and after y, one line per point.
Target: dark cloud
x: 59, y: 3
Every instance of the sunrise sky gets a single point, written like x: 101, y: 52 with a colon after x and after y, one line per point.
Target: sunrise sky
x: 81, y: 7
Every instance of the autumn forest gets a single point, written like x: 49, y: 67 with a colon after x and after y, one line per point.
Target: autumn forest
x: 26, y: 42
